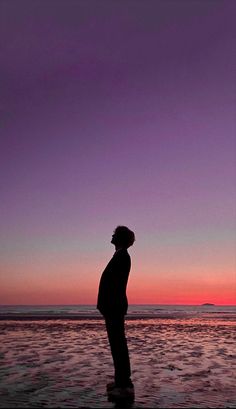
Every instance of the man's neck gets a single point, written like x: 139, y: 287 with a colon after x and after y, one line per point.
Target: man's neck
x: 118, y: 248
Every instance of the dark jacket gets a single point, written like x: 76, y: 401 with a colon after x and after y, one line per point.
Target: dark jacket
x: 112, y: 297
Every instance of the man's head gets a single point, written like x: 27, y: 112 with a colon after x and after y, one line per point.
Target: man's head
x: 123, y: 237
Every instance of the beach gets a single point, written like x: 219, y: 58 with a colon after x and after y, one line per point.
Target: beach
x: 176, y: 362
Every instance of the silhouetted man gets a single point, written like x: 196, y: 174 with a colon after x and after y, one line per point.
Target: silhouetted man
x: 113, y: 305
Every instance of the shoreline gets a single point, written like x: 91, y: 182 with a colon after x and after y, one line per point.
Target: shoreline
x: 128, y: 317
x: 79, y: 317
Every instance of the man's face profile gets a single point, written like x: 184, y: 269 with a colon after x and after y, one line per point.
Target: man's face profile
x: 114, y: 237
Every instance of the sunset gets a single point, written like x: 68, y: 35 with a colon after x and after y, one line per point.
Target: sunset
x: 114, y: 114
x: 135, y: 128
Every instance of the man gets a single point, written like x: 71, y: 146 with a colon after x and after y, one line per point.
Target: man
x: 113, y: 305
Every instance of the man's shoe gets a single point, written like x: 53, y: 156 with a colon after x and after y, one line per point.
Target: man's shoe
x: 122, y: 393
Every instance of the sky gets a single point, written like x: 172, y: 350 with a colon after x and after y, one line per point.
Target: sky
x: 117, y: 113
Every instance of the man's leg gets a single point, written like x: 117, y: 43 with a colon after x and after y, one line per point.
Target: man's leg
x: 116, y: 335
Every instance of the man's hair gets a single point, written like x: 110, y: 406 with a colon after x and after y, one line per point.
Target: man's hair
x: 125, y: 236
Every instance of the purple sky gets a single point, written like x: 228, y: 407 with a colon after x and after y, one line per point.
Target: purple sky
x: 117, y: 112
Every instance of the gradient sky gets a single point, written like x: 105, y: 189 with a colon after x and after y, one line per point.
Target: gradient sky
x: 117, y: 112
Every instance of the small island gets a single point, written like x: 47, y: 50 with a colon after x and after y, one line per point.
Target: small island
x: 207, y: 304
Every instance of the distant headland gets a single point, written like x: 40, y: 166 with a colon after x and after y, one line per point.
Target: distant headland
x: 208, y: 304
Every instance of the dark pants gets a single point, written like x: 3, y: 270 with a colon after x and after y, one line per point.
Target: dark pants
x: 115, y: 326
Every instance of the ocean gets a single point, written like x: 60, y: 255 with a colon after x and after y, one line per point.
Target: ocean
x: 135, y: 311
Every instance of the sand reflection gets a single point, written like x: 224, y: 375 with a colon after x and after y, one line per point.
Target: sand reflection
x: 176, y: 363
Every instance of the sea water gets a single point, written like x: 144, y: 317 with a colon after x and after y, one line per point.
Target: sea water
x: 134, y: 310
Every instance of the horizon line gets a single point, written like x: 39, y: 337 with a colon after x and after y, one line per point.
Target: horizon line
x: 94, y: 305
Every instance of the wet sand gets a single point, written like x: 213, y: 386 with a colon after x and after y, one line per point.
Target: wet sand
x: 176, y: 363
